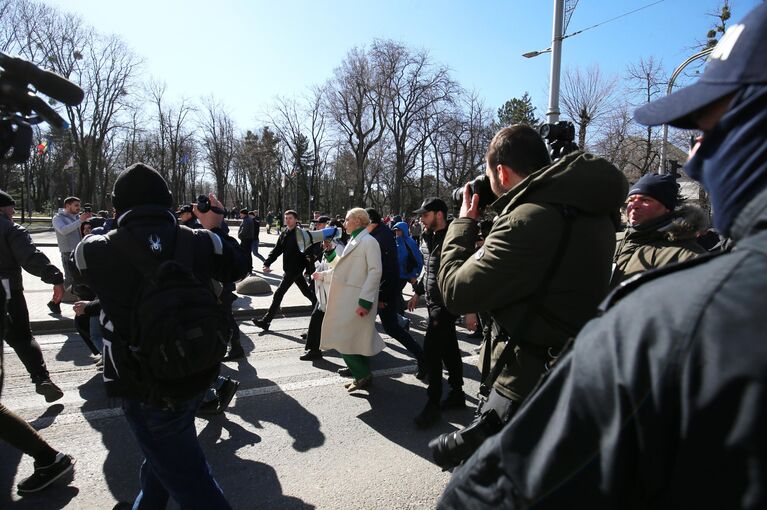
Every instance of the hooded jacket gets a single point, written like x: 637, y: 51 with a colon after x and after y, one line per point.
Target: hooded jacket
x: 659, y: 405
x: 116, y: 281
x: 403, y: 243
x: 659, y: 242
x: 502, y: 276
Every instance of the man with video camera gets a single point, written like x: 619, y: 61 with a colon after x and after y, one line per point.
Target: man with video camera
x: 543, y: 269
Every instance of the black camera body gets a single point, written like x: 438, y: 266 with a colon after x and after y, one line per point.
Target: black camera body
x: 204, y: 205
x: 560, y: 137
x: 479, y: 186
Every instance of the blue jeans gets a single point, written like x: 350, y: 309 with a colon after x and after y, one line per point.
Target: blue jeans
x: 174, y: 465
x: 254, y: 249
x: 95, y: 330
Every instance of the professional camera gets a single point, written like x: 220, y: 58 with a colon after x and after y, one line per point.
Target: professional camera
x: 452, y: 448
x: 204, y: 205
x: 560, y: 137
x: 479, y: 186
x: 21, y: 108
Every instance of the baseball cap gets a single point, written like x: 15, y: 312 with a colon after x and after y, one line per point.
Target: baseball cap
x: 738, y: 59
x: 432, y: 204
x: 184, y: 209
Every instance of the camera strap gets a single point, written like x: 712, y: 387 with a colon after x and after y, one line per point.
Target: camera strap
x: 533, y: 305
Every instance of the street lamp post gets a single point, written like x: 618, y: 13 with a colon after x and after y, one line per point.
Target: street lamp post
x: 676, y: 73
x: 552, y: 115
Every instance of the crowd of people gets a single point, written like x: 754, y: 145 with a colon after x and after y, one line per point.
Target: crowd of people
x: 622, y: 360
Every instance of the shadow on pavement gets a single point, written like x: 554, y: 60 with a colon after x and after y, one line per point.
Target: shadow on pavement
x: 394, y: 404
x: 123, y: 457
x: 250, y: 484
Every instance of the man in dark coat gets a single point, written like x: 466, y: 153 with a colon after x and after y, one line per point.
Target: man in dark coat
x: 661, y: 401
x: 293, y: 266
x: 390, y: 295
x: 440, y: 342
x: 174, y: 465
x: 17, y: 251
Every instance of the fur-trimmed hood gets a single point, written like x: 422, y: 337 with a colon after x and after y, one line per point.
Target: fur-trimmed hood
x: 679, y: 225
x: 685, y: 223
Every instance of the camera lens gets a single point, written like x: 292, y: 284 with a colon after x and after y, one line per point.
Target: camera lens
x: 449, y: 449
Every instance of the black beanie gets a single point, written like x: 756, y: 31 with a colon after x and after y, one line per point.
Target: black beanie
x: 6, y: 199
x: 375, y: 216
x: 661, y: 187
x: 140, y: 184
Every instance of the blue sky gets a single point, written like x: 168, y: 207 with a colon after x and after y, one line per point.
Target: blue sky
x: 247, y: 52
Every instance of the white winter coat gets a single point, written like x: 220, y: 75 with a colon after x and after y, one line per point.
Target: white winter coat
x: 357, y: 275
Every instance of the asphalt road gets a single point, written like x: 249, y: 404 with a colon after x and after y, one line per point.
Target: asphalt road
x: 293, y: 438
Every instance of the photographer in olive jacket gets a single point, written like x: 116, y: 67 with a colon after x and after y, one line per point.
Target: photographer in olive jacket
x: 522, y: 274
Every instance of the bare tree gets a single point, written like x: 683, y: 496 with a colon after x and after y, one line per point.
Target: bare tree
x: 646, y: 82
x: 586, y: 97
x: 415, y: 91
x: 218, y: 142
x: 355, y: 102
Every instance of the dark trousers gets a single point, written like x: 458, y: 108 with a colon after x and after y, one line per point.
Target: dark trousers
x: 19, y: 337
x: 440, y: 346
x: 315, y: 329
x: 20, y: 434
x: 174, y: 464
x: 388, y: 316
x: 289, y: 279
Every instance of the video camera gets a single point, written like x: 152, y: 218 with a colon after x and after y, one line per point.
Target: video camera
x: 21, y: 108
x: 560, y: 137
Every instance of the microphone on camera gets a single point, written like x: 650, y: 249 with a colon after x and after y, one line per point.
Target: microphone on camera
x: 47, y: 82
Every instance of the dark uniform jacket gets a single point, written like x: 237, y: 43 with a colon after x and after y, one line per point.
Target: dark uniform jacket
x: 246, y: 230
x: 17, y: 251
x: 116, y: 281
x: 431, y: 251
x: 659, y: 242
x: 293, y: 261
x: 661, y: 404
x: 390, y: 267
x: 503, y: 275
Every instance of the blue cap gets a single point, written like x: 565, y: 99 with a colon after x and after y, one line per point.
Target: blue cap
x: 739, y: 59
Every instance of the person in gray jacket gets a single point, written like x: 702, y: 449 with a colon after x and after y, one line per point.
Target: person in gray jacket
x: 17, y: 251
x: 662, y: 401
x: 66, y: 223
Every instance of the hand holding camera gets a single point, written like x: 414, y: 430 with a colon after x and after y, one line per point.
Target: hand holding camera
x: 209, y: 211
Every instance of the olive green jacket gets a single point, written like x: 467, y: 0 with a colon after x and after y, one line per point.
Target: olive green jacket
x: 666, y: 240
x: 502, y: 276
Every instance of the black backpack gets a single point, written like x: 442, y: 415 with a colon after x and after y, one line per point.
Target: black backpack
x: 179, y: 329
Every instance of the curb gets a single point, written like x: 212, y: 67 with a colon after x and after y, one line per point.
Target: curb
x: 67, y: 325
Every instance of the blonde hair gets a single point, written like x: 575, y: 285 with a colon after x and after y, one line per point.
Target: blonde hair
x: 360, y: 214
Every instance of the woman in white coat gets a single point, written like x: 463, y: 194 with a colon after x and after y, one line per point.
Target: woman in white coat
x: 349, y: 325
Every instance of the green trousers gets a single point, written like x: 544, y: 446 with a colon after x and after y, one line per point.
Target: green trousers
x: 358, y: 364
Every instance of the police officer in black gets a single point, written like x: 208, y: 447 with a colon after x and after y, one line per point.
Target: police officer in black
x: 293, y: 265
x: 17, y: 251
